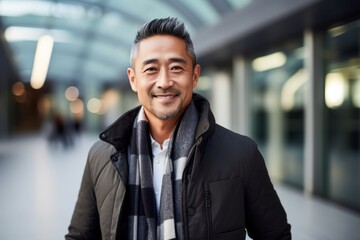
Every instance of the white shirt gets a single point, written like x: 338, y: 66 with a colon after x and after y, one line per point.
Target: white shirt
x: 159, y: 155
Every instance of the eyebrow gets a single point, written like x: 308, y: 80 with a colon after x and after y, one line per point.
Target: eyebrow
x: 154, y: 60
x: 178, y: 60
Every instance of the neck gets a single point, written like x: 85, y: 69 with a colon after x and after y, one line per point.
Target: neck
x: 161, y: 130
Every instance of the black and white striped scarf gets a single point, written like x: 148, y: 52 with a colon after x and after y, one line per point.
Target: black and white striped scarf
x: 143, y: 222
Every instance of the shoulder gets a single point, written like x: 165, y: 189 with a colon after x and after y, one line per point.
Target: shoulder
x: 99, y: 155
x: 229, y: 154
x: 232, y: 139
x: 232, y: 148
x: 101, y: 148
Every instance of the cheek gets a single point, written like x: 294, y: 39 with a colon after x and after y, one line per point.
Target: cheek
x: 149, y: 79
x: 144, y: 86
x: 188, y: 90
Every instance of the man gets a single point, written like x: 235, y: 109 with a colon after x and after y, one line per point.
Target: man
x: 166, y: 170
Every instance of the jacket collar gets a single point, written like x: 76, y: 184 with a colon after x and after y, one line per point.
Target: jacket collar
x: 118, y: 133
x: 206, y: 124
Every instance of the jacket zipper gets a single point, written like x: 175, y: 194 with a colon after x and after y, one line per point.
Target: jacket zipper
x: 208, y: 212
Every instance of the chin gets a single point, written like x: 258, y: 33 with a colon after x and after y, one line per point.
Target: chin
x: 166, y: 115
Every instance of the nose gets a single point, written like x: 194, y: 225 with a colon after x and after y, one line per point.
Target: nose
x: 164, y: 80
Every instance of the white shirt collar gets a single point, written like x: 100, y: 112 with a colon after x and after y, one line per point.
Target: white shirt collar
x: 156, y: 147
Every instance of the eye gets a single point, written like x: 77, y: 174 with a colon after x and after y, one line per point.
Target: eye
x: 150, y: 70
x: 176, y: 69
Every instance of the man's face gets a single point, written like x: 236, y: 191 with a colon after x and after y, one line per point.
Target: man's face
x: 163, y: 76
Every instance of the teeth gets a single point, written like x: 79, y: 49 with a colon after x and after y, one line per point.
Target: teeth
x: 167, y: 96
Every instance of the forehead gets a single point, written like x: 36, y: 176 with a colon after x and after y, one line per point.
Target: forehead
x: 161, y: 45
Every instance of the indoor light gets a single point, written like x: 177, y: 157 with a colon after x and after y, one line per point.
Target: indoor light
x: 41, y: 61
x: 336, y: 89
x: 274, y: 60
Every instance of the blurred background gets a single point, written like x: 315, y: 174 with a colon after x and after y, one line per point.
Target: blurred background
x: 284, y: 72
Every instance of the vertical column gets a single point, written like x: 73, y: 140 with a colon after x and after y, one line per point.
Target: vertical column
x: 5, y: 110
x: 240, y: 97
x: 221, y: 98
x: 8, y: 76
x: 275, y: 126
x: 313, y: 107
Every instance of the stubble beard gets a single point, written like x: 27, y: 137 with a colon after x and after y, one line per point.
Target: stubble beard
x: 163, y: 113
x: 166, y: 115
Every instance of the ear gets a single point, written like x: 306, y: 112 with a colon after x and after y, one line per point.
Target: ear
x: 196, y: 75
x: 132, y: 80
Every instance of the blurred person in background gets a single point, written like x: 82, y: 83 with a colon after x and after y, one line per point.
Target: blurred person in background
x: 166, y: 170
x: 60, y: 131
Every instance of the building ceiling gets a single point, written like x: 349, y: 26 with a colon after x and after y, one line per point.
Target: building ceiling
x: 92, y: 38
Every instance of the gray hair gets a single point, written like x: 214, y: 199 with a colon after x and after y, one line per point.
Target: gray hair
x: 163, y: 26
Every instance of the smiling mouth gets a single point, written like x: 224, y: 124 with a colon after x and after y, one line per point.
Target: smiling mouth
x: 166, y: 96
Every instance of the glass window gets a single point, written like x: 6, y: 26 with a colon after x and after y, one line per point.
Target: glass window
x: 342, y: 114
x: 277, y: 105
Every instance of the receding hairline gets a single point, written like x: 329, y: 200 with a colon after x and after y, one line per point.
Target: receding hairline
x: 135, y: 47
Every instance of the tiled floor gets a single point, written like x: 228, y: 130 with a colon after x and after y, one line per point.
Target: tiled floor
x: 39, y: 185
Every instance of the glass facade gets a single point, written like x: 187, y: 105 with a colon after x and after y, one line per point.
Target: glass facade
x: 342, y: 115
x: 277, y: 104
x: 277, y: 107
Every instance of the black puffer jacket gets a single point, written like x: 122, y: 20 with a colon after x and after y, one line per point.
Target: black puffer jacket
x: 226, y: 187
